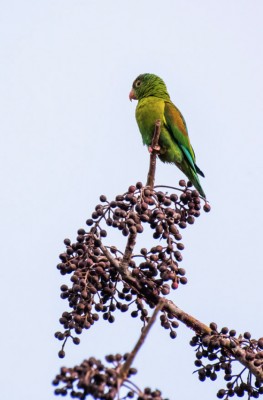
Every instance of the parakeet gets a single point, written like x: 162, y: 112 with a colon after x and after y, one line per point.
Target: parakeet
x: 154, y: 103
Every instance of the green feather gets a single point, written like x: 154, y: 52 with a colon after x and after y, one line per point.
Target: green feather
x: 154, y: 103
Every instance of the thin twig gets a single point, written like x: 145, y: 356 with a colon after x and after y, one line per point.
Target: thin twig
x: 126, y: 366
x: 181, y: 190
x: 154, y: 151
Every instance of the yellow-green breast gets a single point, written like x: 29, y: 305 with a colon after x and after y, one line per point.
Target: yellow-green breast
x: 148, y: 111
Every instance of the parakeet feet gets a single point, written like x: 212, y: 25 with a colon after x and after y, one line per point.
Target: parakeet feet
x: 156, y: 149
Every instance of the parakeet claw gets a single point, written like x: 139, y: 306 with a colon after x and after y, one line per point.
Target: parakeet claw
x: 155, y: 148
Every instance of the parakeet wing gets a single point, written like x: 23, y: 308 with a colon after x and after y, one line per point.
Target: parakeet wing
x: 176, y: 125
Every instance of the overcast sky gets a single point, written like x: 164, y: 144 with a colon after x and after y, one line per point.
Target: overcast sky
x: 68, y: 134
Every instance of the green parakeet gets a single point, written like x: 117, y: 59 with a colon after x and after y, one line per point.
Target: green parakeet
x: 154, y: 103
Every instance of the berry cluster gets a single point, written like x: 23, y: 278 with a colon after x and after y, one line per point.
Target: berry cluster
x: 93, y: 378
x: 98, y: 284
x: 221, y: 359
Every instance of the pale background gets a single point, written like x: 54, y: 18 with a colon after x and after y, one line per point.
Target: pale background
x: 68, y: 134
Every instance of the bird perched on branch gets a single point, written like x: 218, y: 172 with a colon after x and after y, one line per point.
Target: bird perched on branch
x: 154, y: 104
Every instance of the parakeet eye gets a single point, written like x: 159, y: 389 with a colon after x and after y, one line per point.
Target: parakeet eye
x: 137, y: 83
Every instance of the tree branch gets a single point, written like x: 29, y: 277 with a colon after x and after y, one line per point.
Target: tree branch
x: 124, y: 264
x: 200, y: 328
x: 126, y: 366
x: 154, y: 149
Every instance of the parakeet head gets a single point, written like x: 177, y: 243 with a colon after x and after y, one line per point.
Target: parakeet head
x: 146, y: 85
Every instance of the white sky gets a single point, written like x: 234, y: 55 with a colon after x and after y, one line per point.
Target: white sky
x: 68, y: 134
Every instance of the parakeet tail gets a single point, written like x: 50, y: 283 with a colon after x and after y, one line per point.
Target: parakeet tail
x: 198, y: 170
x: 196, y: 183
x: 192, y: 176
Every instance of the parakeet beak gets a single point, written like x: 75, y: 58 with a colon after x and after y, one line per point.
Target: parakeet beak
x: 132, y: 95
